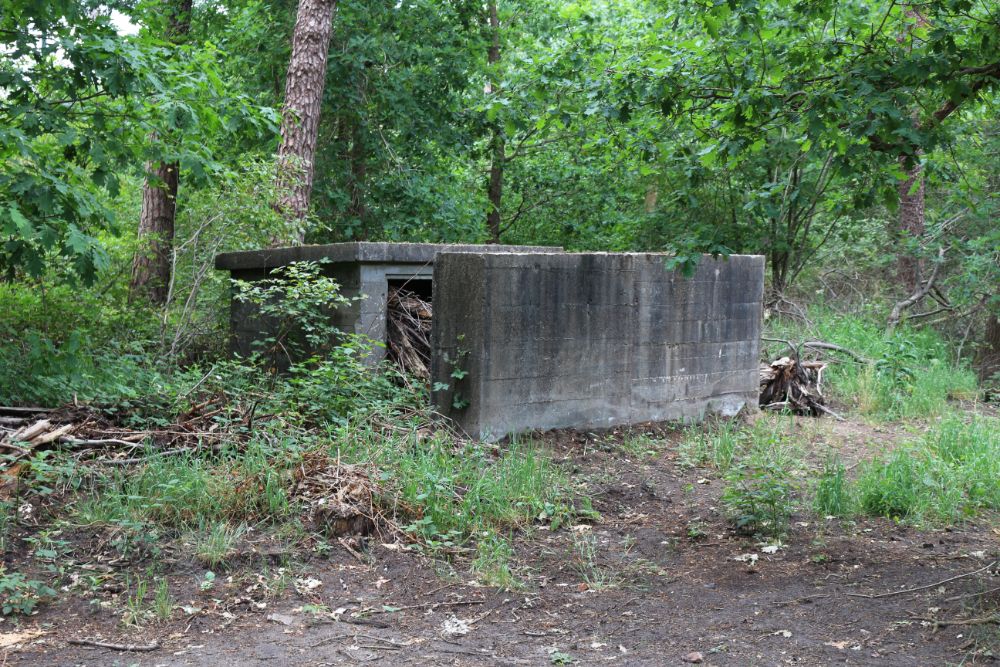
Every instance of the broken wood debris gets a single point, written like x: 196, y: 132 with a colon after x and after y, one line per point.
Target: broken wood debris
x: 409, y: 332
x: 97, y: 643
x: 90, y: 432
x: 338, y: 496
x: 790, y: 384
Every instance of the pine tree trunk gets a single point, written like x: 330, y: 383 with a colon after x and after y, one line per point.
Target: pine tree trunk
x: 151, y: 264
x: 301, y: 114
x: 909, y: 267
x: 498, y: 145
x: 989, y: 354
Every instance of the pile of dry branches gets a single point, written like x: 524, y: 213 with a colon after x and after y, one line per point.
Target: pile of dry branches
x: 338, y: 497
x: 25, y: 431
x: 793, y: 384
x: 409, y: 332
x: 790, y: 384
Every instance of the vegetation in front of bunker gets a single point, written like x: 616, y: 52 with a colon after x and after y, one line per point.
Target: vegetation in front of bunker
x: 447, y: 497
x: 911, y: 373
x: 945, y: 476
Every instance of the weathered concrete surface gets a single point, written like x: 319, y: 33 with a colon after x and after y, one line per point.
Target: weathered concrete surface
x: 591, y: 340
x: 361, y: 269
x: 359, y: 251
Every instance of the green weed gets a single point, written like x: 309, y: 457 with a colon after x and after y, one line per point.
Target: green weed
x: 833, y: 495
x: 20, y: 595
x: 214, y: 544
x: 163, y: 605
x: 492, y: 562
x: 136, y: 609
x: 949, y: 474
x: 594, y: 575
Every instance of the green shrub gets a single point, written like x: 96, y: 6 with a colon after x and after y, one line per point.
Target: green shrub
x: 758, y: 497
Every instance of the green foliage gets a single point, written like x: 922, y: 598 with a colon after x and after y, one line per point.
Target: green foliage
x: 950, y: 474
x: 718, y: 445
x: 492, y: 563
x: 759, y: 496
x: 833, y: 496
x: 293, y: 303
x: 912, y: 374
x: 20, y: 595
x: 79, y: 103
x: 459, y: 489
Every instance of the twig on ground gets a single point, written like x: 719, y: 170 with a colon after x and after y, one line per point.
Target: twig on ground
x: 983, y: 620
x: 923, y: 588
x: 392, y: 609
x: 955, y: 598
x: 806, y: 598
x: 116, y: 647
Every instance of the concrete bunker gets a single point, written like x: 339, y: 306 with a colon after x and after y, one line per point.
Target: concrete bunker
x: 528, y: 338
x: 361, y: 268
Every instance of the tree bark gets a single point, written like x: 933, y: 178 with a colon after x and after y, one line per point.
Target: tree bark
x: 498, y: 146
x: 152, y: 262
x: 911, y: 223
x: 989, y: 354
x: 153, y: 259
x: 301, y: 114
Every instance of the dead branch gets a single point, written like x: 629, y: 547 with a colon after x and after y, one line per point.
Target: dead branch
x: 984, y: 620
x: 409, y: 332
x: 923, y: 588
x: 923, y: 290
x: 818, y: 345
x: 9, y: 410
x: 115, y: 647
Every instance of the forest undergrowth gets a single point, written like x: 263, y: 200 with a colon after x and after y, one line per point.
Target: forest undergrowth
x: 233, y: 500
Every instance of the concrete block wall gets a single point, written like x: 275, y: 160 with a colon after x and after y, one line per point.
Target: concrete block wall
x: 592, y: 340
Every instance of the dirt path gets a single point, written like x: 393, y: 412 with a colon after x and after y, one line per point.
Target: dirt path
x: 659, y: 578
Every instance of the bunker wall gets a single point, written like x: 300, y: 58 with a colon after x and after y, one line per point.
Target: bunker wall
x: 541, y: 341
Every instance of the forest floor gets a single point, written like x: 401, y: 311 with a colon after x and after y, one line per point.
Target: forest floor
x: 661, y: 578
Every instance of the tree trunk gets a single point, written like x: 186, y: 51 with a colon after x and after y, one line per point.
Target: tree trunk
x: 154, y: 252
x: 909, y: 267
x: 989, y: 354
x: 300, y: 117
x: 498, y: 145
x: 153, y: 259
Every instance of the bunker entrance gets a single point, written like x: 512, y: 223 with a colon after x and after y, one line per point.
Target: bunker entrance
x: 409, y: 316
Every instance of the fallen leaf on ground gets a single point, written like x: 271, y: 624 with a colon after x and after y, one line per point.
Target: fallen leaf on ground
x: 307, y: 585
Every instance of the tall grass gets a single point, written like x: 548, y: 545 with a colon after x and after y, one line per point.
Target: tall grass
x: 912, y: 374
x: 951, y: 473
x: 460, y: 488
